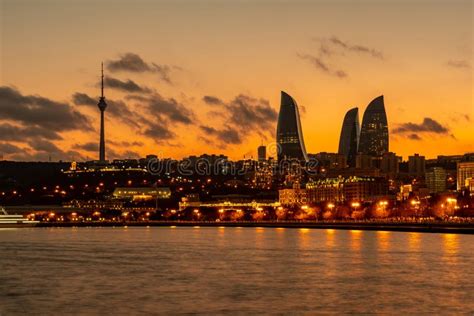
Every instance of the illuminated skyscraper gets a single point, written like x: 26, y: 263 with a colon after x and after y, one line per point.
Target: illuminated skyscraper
x: 289, y: 134
x: 102, y: 106
x: 349, y: 139
x: 374, y: 133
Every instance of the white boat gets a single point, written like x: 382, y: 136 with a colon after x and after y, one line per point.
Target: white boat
x: 7, y: 220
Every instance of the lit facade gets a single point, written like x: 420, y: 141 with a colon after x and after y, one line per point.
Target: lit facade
x: 465, y: 174
x: 289, y: 134
x: 435, y: 180
x: 137, y: 194
x: 374, y: 132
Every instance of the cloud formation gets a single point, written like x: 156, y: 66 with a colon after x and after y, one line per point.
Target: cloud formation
x: 40, y: 112
x: 320, y: 65
x: 131, y: 62
x: 149, y: 114
x: 241, y: 116
x: 460, y: 64
x: 128, y: 85
x: 429, y: 126
x: 355, y: 47
x: 227, y: 135
x: 333, y: 47
x: 211, y: 100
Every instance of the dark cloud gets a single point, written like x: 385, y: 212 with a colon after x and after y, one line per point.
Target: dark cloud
x: 334, y: 46
x: 125, y: 143
x: 127, y: 85
x: 44, y: 146
x: 9, y: 132
x: 32, y: 110
x: 461, y: 64
x: 80, y: 98
x: 7, y: 148
x: 356, y: 47
x: 250, y: 113
x: 91, y: 147
x: 154, y: 117
x: 321, y: 65
x: 131, y: 62
x: 211, y: 100
x: 158, y: 132
x: 170, y: 108
x: 414, y: 137
x: 226, y: 135
x: 242, y: 116
x: 428, y: 125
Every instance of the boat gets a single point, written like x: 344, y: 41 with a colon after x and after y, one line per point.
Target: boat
x: 13, y: 221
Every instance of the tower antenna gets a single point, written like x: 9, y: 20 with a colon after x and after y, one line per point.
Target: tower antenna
x: 102, y: 81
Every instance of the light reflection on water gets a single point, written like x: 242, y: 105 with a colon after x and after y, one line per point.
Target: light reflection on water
x: 227, y: 270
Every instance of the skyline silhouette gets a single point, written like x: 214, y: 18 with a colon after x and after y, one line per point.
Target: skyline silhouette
x: 214, y: 89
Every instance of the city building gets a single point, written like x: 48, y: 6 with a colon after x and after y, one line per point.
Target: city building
x: 328, y: 189
x: 349, y: 139
x: 289, y: 134
x: 331, y: 160
x: 465, y: 174
x: 102, y: 106
x: 389, y: 165
x: 293, y: 196
x: 435, y: 180
x: 416, y: 165
x: 262, y: 153
x: 374, y: 132
x: 346, y: 189
x: 141, y: 194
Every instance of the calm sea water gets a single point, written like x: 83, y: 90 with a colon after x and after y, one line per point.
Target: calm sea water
x: 228, y: 270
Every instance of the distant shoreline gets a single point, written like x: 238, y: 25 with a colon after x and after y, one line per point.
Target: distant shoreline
x: 451, y: 228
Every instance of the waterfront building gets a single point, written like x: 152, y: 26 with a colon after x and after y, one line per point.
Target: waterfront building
x: 294, y: 196
x: 328, y: 189
x: 465, y: 174
x: 141, y: 194
x: 346, y: 189
x: 289, y: 134
x: 349, y: 138
x: 435, y: 180
x: 102, y: 105
x: 416, y: 165
x: 374, y: 132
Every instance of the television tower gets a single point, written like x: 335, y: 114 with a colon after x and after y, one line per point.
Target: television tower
x: 102, y: 106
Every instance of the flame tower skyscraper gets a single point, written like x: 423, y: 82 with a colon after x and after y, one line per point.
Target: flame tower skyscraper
x: 102, y: 106
x: 374, y: 132
x: 289, y: 135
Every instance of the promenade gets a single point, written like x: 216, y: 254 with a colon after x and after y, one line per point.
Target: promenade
x: 466, y: 227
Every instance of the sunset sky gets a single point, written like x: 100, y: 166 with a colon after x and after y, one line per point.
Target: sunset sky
x: 189, y: 77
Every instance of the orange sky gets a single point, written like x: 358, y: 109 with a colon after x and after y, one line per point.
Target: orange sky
x: 329, y: 55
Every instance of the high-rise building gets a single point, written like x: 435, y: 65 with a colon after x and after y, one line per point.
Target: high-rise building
x: 102, y: 106
x: 389, y: 164
x: 465, y: 174
x: 374, y: 132
x: 416, y: 165
x: 262, y: 153
x: 349, y: 139
x: 435, y: 180
x: 289, y: 135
